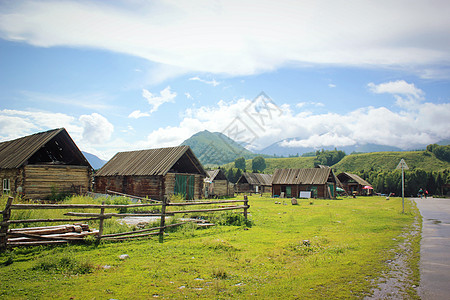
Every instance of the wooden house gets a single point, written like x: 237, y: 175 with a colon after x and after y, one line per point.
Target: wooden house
x: 254, y: 183
x: 42, y: 164
x: 314, y: 183
x: 217, y: 185
x: 352, y: 183
x: 155, y: 173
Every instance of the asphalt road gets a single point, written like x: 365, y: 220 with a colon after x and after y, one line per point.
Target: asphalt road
x: 434, y: 248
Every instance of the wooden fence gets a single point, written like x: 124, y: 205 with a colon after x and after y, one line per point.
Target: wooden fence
x: 37, y: 237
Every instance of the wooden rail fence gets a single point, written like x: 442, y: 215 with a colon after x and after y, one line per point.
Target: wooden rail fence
x: 46, y: 235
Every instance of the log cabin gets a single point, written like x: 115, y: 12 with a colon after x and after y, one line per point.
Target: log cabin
x: 43, y: 165
x: 217, y: 185
x: 154, y: 173
x: 317, y: 182
x: 254, y: 183
x: 353, y: 184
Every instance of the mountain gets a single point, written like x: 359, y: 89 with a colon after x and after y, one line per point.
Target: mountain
x: 95, y: 162
x: 277, y: 149
x: 215, y: 148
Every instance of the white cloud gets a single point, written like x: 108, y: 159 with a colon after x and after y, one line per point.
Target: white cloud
x: 210, y: 82
x: 407, y: 95
x: 407, y: 129
x: 235, y: 39
x: 17, y: 123
x: 96, y: 128
x: 399, y: 87
x: 166, y: 95
x: 189, y: 96
x: 331, y: 85
x: 138, y: 114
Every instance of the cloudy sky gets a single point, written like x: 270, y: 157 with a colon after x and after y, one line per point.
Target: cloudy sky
x: 128, y: 75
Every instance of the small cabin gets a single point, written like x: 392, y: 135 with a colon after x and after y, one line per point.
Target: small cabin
x: 254, y: 183
x: 42, y: 165
x: 154, y: 173
x: 308, y: 183
x: 217, y: 185
x: 353, y: 184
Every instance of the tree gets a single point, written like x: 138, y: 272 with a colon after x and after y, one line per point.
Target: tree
x: 258, y: 164
x: 239, y: 163
x: 442, y: 152
x: 431, y: 147
x: 237, y: 175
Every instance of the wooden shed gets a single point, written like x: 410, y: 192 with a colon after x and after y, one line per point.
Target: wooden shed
x: 217, y: 185
x: 315, y: 182
x: 42, y: 164
x: 154, y: 173
x: 254, y: 183
x: 352, y: 183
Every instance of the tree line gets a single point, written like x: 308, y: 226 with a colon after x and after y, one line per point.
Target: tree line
x: 386, y: 182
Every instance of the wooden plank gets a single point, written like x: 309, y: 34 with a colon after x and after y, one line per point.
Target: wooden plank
x: 109, y: 215
x: 65, y: 206
x: 209, y: 210
x: 143, y: 230
x: 204, y: 203
x: 50, y: 220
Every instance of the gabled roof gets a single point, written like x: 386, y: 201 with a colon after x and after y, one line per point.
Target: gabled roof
x: 302, y: 176
x: 18, y: 152
x: 153, y: 162
x: 256, y: 178
x: 215, y: 174
x: 355, y: 177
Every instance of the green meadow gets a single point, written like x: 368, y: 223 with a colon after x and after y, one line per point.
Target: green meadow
x: 317, y: 249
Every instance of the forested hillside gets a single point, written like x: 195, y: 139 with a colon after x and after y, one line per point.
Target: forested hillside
x: 388, y: 161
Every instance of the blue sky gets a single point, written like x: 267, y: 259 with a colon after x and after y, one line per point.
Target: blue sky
x: 128, y: 75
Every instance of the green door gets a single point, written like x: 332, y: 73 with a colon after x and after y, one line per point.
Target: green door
x: 331, y: 186
x: 288, y: 191
x: 313, y: 191
x: 184, y: 185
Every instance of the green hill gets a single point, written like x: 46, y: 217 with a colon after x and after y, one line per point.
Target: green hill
x: 215, y: 148
x: 388, y: 161
x: 354, y: 163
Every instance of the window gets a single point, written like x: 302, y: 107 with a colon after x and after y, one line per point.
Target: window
x: 6, y: 186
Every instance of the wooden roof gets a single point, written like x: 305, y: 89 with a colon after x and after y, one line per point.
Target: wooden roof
x: 159, y: 161
x: 50, y: 147
x: 215, y: 174
x: 344, y: 176
x: 256, y: 179
x: 302, y: 176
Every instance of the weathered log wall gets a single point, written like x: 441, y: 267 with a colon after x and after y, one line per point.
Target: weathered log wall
x: 153, y: 187
x: 40, y: 180
x: 142, y: 186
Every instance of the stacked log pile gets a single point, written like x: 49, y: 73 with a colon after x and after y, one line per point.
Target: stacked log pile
x: 34, y: 236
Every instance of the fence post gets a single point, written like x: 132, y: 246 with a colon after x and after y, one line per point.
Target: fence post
x: 5, y: 224
x: 163, y: 220
x: 245, y: 206
x: 100, y: 227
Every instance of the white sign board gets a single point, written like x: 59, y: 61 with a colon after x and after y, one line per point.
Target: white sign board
x: 305, y: 194
x: 402, y: 165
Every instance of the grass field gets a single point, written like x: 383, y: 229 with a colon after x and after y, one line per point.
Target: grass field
x: 318, y: 249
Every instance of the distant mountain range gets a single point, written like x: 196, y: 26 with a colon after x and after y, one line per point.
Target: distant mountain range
x: 215, y: 148
x: 95, y: 162
x: 278, y: 150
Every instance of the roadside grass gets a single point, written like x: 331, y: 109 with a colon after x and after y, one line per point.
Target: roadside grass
x: 327, y: 249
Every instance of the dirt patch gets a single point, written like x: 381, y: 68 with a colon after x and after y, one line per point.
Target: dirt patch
x: 397, y: 282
